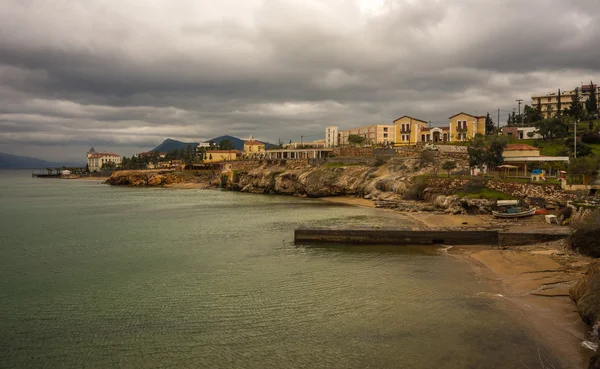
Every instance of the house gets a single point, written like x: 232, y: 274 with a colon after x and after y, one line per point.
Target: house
x: 253, y: 148
x: 465, y: 126
x: 96, y: 160
x: 521, y: 133
x: 408, y: 130
x: 374, y: 134
x: 213, y: 156
x: 522, y: 156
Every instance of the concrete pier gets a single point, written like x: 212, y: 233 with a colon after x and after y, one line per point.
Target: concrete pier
x: 397, y: 236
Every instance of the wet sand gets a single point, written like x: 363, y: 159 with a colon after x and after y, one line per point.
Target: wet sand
x: 536, y: 279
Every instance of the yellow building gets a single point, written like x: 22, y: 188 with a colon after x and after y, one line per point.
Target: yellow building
x: 213, y: 156
x: 465, y: 126
x: 253, y: 147
x: 408, y: 130
x: 549, y: 102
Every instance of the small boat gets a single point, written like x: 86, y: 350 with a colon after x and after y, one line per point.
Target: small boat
x: 511, y: 209
x: 512, y: 213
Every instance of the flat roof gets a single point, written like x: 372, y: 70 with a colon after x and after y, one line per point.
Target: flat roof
x: 528, y: 159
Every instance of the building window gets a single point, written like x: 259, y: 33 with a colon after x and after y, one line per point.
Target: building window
x: 385, y: 135
x: 385, y: 129
x: 549, y: 99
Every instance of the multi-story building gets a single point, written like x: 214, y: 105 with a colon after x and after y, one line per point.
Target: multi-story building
x: 407, y: 130
x: 96, y: 160
x: 461, y: 127
x: 213, y: 156
x: 375, y: 134
x: 549, y: 102
x: 331, y: 136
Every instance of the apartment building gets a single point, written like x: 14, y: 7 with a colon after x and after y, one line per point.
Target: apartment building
x: 374, y: 134
x: 549, y: 102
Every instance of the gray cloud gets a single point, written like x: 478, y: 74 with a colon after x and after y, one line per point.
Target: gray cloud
x: 125, y: 75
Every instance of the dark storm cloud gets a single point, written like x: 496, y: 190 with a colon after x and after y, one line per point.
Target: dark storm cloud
x: 125, y: 75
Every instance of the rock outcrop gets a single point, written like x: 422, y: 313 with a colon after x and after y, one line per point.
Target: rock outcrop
x: 586, y: 295
x: 142, y: 178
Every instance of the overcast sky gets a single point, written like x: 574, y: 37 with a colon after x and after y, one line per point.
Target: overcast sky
x: 124, y: 75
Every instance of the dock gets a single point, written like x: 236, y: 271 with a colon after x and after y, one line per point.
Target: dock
x: 400, y: 236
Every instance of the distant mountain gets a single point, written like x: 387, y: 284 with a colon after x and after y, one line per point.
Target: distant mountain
x: 238, y: 143
x: 170, y: 145
x: 9, y: 161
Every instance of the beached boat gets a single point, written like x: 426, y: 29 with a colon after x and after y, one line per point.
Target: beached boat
x: 511, y: 209
x: 514, y: 214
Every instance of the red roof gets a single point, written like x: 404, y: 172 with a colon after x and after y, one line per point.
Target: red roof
x: 408, y: 116
x: 101, y: 154
x: 253, y: 143
x: 474, y: 116
x: 520, y: 147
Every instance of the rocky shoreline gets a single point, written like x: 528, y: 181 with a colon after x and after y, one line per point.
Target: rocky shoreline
x: 387, y: 187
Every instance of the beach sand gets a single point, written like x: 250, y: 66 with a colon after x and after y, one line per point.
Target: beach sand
x: 536, y: 279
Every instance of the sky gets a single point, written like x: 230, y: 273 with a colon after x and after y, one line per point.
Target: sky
x: 124, y: 75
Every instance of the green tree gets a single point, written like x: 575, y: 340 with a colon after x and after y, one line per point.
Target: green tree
x: 448, y: 166
x: 488, y: 152
x: 489, y: 124
x: 588, y: 166
x: 356, y: 140
x: 576, y: 109
x: 225, y: 145
x: 551, y: 128
x: 582, y: 149
x: 558, y: 105
x: 108, y: 166
x: 531, y: 115
x: 591, y: 105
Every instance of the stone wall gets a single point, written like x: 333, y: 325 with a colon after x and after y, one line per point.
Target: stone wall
x: 551, y: 193
x: 353, y: 151
x: 452, y: 149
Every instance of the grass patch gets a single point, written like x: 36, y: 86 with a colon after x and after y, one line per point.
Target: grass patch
x: 484, y: 193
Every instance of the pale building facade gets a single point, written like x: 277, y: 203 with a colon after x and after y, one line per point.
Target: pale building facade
x: 465, y: 126
x: 549, y: 102
x: 375, y: 134
x: 331, y: 136
x: 95, y: 160
x: 213, y: 156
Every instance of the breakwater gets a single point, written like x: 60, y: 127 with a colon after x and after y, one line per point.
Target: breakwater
x: 397, y: 236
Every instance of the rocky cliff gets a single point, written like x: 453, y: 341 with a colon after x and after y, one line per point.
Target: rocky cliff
x: 586, y: 295
x: 139, y: 178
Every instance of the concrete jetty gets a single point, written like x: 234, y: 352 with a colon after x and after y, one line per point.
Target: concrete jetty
x: 399, y: 236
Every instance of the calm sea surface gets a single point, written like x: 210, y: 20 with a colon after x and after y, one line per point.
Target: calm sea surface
x: 98, y: 277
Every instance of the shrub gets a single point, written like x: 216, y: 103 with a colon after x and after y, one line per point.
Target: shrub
x: 416, y: 191
x: 474, y: 185
x: 590, y: 138
x: 586, y: 235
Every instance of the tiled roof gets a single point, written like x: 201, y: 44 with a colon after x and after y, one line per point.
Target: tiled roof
x: 474, y: 116
x: 102, y: 154
x: 253, y: 143
x: 407, y: 116
x: 520, y: 147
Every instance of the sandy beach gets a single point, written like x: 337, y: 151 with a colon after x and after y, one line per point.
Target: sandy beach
x: 535, y: 279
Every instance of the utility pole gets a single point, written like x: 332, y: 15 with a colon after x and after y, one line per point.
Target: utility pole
x: 520, y: 118
x: 575, y: 139
x: 301, y: 140
x: 498, y: 123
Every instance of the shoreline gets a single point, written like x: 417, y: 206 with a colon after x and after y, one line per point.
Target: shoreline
x: 536, y: 280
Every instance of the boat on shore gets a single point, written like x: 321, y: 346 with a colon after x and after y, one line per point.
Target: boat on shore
x: 512, y: 209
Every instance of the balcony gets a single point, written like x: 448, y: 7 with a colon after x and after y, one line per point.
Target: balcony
x: 462, y: 129
x: 405, y: 131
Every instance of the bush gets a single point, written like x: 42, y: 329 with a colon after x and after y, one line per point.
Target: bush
x: 590, y: 138
x: 416, y: 191
x: 586, y: 236
x: 475, y: 185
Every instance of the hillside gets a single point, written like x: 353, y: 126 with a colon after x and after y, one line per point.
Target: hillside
x: 9, y: 161
x: 170, y: 145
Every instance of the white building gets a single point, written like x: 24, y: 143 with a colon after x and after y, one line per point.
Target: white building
x: 331, y: 136
x: 524, y: 133
x: 95, y: 160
